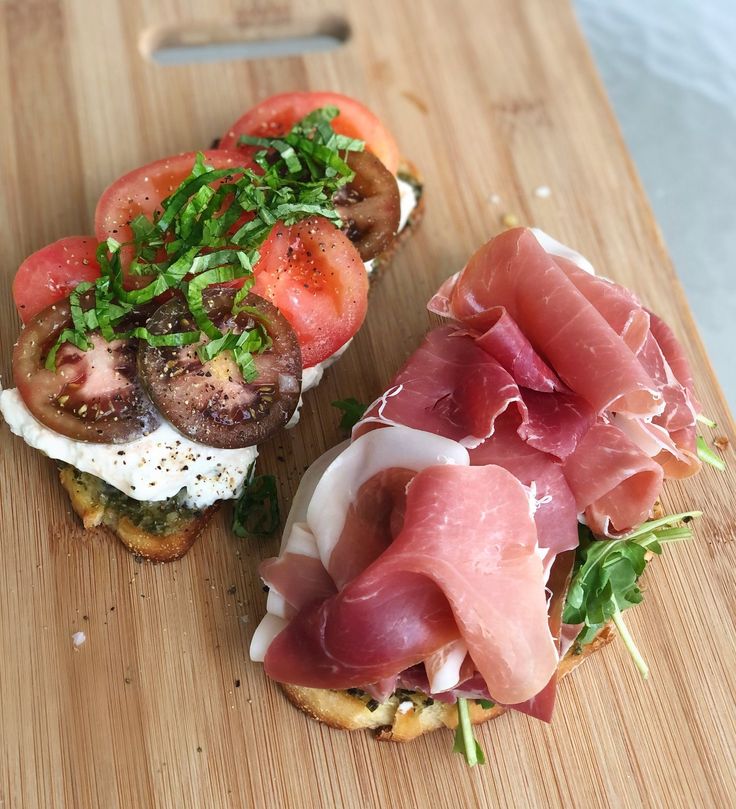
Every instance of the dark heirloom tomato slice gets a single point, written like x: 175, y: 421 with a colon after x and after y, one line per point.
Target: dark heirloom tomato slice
x: 369, y: 205
x: 93, y: 395
x: 211, y: 403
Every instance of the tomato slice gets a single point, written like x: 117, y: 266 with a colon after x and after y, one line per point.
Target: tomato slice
x: 93, y: 395
x: 211, y: 402
x: 314, y: 275
x: 369, y: 205
x: 140, y: 192
x: 276, y: 115
x: 51, y: 273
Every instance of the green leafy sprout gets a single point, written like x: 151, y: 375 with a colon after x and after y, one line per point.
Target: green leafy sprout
x: 606, y: 574
x: 465, y: 742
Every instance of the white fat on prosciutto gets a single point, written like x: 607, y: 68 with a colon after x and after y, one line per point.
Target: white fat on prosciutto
x: 444, y: 666
x: 376, y: 451
x: 321, y: 505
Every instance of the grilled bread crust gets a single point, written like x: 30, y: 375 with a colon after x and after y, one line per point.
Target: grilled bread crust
x: 158, y: 546
x: 389, y: 722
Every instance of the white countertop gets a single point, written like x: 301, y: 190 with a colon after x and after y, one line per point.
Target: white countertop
x: 670, y: 71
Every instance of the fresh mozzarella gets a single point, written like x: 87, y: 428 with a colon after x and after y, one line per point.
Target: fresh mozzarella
x: 155, y: 467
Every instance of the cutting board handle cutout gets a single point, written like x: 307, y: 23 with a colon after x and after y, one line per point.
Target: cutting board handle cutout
x: 193, y: 42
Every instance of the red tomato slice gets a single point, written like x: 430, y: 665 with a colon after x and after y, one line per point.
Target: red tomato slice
x: 276, y: 115
x: 52, y: 272
x: 140, y: 191
x: 312, y: 272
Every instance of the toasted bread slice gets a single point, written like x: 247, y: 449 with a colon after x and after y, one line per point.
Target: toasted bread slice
x: 163, y: 532
x: 159, y: 531
x: 409, y: 173
x: 405, y: 716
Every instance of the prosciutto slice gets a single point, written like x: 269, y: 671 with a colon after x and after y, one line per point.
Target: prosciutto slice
x: 297, y: 577
x: 435, y: 549
x: 514, y: 271
x: 614, y: 482
x: 464, y: 566
x: 556, y: 510
x: 449, y: 386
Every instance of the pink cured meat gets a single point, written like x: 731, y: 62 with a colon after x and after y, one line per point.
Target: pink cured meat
x: 614, y: 482
x: 618, y: 305
x: 465, y: 565
x: 514, y: 271
x: 450, y: 387
x: 300, y: 579
x: 373, y: 521
x: 674, y: 354
x: 555, y: 422
x: 506, y: 343
x: 556, y: 514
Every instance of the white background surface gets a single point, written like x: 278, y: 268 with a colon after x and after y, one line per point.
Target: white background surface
x: 669, y: 67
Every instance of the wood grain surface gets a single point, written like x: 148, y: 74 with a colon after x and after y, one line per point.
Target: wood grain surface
x: 161, y: 706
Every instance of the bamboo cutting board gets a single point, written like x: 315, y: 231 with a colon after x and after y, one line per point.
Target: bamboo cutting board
x: 161, y: 706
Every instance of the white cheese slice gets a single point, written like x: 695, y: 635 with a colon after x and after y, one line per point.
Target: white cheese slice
x: 154, y: 467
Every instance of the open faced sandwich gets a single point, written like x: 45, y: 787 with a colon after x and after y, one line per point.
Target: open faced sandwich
x: 485, y: 527
x: 157, y: 354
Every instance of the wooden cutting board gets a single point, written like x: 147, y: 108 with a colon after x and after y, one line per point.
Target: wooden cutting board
x: 161, y: 706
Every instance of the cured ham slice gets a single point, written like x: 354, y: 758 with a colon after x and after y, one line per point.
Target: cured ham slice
x: 373, y: 520
x: 617, y: 305
x: 457, y: 386
x: 508, y: 344
x: 556, y: 511
x: 514, y: 271
x: 464, y: 566
x: 434, y: 550
x: 614, y: 482
x: 449, y: 386
x: 297, y: 575
x: 337, y: 491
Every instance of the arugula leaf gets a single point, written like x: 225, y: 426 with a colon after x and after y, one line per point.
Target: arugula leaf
x: 705, y: 420
x: 353, y: 411
x: 465, y: 742
x: 486, y: 704
x: 606, y: 572
x: 256, y: 512
x: 706, y: 454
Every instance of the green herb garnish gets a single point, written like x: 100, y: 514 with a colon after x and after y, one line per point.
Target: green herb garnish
x: 256, y: 512
x: 352, y: 410
x: 606, y: 573
x: 705, y: 420
x: 189, y: 244
x: 465, y: 742
x: 706, y: 455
